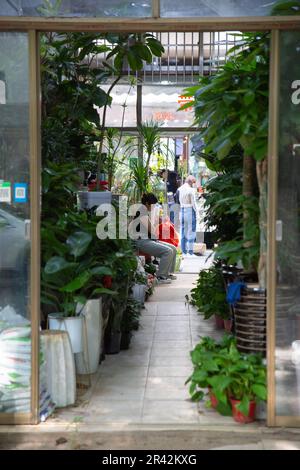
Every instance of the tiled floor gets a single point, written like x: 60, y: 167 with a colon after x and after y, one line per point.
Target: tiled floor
x: 146, y: 384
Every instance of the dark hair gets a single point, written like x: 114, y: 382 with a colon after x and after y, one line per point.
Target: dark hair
x: 149, y: 198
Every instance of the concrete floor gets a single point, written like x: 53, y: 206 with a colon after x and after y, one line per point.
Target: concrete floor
x: 138, y: 398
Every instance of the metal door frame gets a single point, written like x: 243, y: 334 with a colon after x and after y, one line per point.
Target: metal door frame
x: 33, y: 26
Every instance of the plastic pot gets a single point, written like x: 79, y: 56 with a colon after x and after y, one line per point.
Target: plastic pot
x: 219, y: 322
x: 73, y: 325
x: 240, y: 417
x: 213, y: 399
x: 113, y: 343
x: 89, y: 199
x: 88, y: 361
x: 228, y: 325
x: 125, y: 340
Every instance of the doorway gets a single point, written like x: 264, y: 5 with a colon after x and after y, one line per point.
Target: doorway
x: 33, y: 135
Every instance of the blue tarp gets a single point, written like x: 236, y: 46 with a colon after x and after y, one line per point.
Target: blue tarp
x: 234, y: 292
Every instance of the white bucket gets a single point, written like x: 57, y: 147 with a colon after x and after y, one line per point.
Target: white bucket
x: 73, y: 325
x: 138, y: 292
x: 87, y: 362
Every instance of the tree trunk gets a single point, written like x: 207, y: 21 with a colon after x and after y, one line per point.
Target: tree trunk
x: 249, y: 184
x: 249, y: 181
x: 262, y: 178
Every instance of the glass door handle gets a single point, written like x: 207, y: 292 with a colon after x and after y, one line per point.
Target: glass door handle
x: 27, y: 229
x: 279, y: 230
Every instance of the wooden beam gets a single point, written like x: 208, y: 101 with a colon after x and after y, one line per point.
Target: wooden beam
x: 156, y: 8
x: 149, y: 24
x: 35, y: 185
x: 272, y: 216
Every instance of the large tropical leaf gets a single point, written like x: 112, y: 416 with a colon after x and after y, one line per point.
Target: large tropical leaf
x: 79, y: 242
x: 56, y: 264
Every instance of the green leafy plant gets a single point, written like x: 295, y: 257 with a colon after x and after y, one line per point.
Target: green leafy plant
x: 208, y: 364
x: 69, y: 277
x: 231, y: 108
x: 209, y: 295
x: 150, y: 268
x: 133, y: 49
x: 228, y: 373
x: 131, y: 316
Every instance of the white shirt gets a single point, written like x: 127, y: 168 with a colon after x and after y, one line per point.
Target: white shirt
x: 187, y: 196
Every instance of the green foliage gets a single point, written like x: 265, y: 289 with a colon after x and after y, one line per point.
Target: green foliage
x: 219, y: 191
x: 149, y: 132
x: 71, y: 87
x: 60, y: 182
x: 71, y: 271
x: 234, y: 102
x: 245, y: 244
x: 286, y: 7
x: 150, y: 268
x: 74, y: 260
x: 209, y: 295
x: 139, y: 182
x: 228, y: 373
x: 131, y: 316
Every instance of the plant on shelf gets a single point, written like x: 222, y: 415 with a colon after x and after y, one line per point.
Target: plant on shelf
x: 209, y: 295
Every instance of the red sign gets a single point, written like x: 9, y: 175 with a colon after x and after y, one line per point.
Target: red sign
x: 163, y: 116
x: 185, y: 99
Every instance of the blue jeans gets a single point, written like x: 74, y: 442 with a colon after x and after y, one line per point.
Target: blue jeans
x: 187, y: 229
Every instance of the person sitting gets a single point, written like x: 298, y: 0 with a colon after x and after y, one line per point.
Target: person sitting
x: 152, y: 246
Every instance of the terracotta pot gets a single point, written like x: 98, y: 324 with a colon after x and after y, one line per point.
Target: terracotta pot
x: 240, y: 417
x: 219, y: 322
x: 213, y: 399
x: 107, y: 281
x: 228, y: 325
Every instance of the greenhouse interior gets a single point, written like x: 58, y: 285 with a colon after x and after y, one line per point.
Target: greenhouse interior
x: 149, y: 214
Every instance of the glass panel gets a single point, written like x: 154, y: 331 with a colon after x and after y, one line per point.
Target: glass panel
x: 76, y: 8
x: 15, y: 331
x: 225, y: 8
x: 122, y: 112
x: 288, y: 228
x: 161, y: 103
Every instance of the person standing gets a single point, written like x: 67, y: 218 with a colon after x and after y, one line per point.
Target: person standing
x: 170, y: 178
x: 188, y: 211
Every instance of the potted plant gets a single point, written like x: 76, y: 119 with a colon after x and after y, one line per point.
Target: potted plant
x: 234, y: 381
x: 130, y: 321
x: 124, y: 263
x: 138, y: 289
x: 209, y: 295
x: 73, y: 275
x: 247, y: 385
x: 208, y: 377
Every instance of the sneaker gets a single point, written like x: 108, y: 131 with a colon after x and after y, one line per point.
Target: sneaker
x: 163, y: 280
x: 172, y: 277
